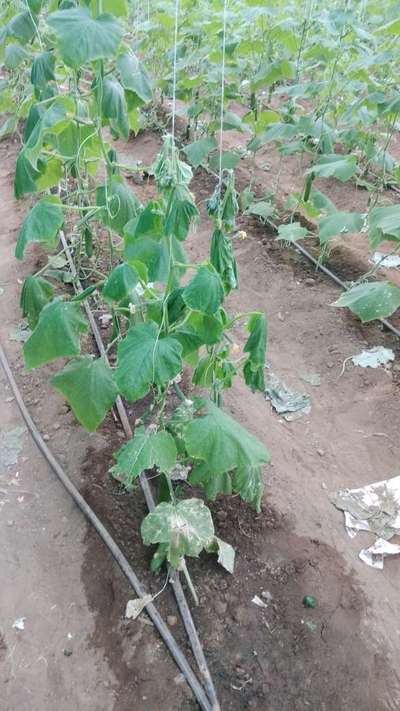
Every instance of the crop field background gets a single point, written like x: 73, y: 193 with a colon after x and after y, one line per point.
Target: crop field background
x: 200, y: 233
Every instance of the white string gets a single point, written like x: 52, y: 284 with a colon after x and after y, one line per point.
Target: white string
x: 221, y: 127
x: 174, y: 73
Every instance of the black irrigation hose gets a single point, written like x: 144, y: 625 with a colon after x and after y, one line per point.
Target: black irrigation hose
x: 339, y: 281
x: 114, y: 549
x: 148, y: 495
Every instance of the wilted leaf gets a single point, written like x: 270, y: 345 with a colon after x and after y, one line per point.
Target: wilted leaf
x: 57, y: 333
x: 147, y: 449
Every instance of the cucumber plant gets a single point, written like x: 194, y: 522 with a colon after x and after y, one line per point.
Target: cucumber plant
x: 86, y: 87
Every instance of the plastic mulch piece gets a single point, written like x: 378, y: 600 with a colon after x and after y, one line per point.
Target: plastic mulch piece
x: 286, y: 402
x: 374, y: 357
x: 374, y: 508
x: 389, y: 261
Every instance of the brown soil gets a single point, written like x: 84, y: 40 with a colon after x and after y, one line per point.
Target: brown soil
x: 340, y: 656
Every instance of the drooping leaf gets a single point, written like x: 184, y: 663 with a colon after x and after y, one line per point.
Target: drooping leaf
x: 35, y: 294
x: 114, y: 106
x: 15, y: 55
x: 212, y: 483
x: 57, y: 333
x: 339, y: 223
x: 145, y: 358
x: 51, y: 122
x: 291, y: 232
x: 147, y: 449
x: 221, y: 442
x: 41, y: 225
x: 205, y: 291
x: 372, y: 300
x: 25, y: 176
x: 120, y: 204
x: 82, y: 39
x: 197, y: 151
x: 255, y: 346
x: 337, y: 166
x: 155, y: 255
x: 88, y: 386
x: 121, y: 283
x: 43, y: 68
x: 134, y: 77
x: 226, y: 553
x: 180, y: 212
x: 186, y: 527
x: 247, y: 481
x: 223, y: 260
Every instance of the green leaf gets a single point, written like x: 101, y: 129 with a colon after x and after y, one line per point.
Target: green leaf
x: 339, y: 223
x: 291, y: 232
x: 57, y: 333
x: 22, y: 26
x: 134, y: 76
x: 114, y: 106
x: 221, y: 442
x: 52, y: 122
x: 229, y: 161
x: 147, y: 449
x: 180, y: 212
x: 226, y: 553
x: 35, y: 294
x: 223, y: 260
x: 186, y: 527
x: 122, y: 204
x: 14, y: 56
x: 41, y: 225
x: 82, y: 39
x: 255, y: 346
x: 51, y: 174
x: 119, y: 8
x: 248, y: 482
x: 337, y: 166
x: 263, y: 209
x: 204, y: 291
x: 213, y: 484
x: 43, y: 68
x: 89, y: 388
x: 25, y: 176
x: 145, y: 358
x: 384, y: 224
x: 371, y: 301
x: 197, y: 151
x: 120, y: 283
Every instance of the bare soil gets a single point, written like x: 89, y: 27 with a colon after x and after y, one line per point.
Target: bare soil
x: 340, y: 656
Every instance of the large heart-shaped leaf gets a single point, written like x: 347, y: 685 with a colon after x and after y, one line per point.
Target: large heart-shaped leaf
x: 121, y: 283
x: 134, y: 76
x: 145, y: 358
x: 204, y: 291
x: 23, y: 27
x: 384, y: 224
x: 186, y: 528
x: 146, y: 450
x: 120, y: 204
x: 221, y: 442
x: 371, y: 301
x: 114, y: 106
x: 82, y: 39
x: 57, y: 333
x: 41, y: 225
x: 339, y: 223
x: 197, y: 151
x: 36, y: 293
x: 88, y: 386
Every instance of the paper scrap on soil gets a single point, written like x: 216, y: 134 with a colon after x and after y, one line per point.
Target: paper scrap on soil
x: 374, y: 357
x: 135, y: 607
x: 288, y: 403
x: 374, y: 508
x: 10, y: 446
x: 388, y: 261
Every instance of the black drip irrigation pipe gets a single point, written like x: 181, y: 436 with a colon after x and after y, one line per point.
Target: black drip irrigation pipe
x: 182, y: 604
x: 114, y: 549
x: 339, y: 281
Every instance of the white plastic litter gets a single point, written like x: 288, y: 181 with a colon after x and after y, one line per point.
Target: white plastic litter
x: 374, y: 357
x: 374, y: 508
x: 257, y: 601
x: 135, y: 607
x: 390, y: 261
x: 19, y: 623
